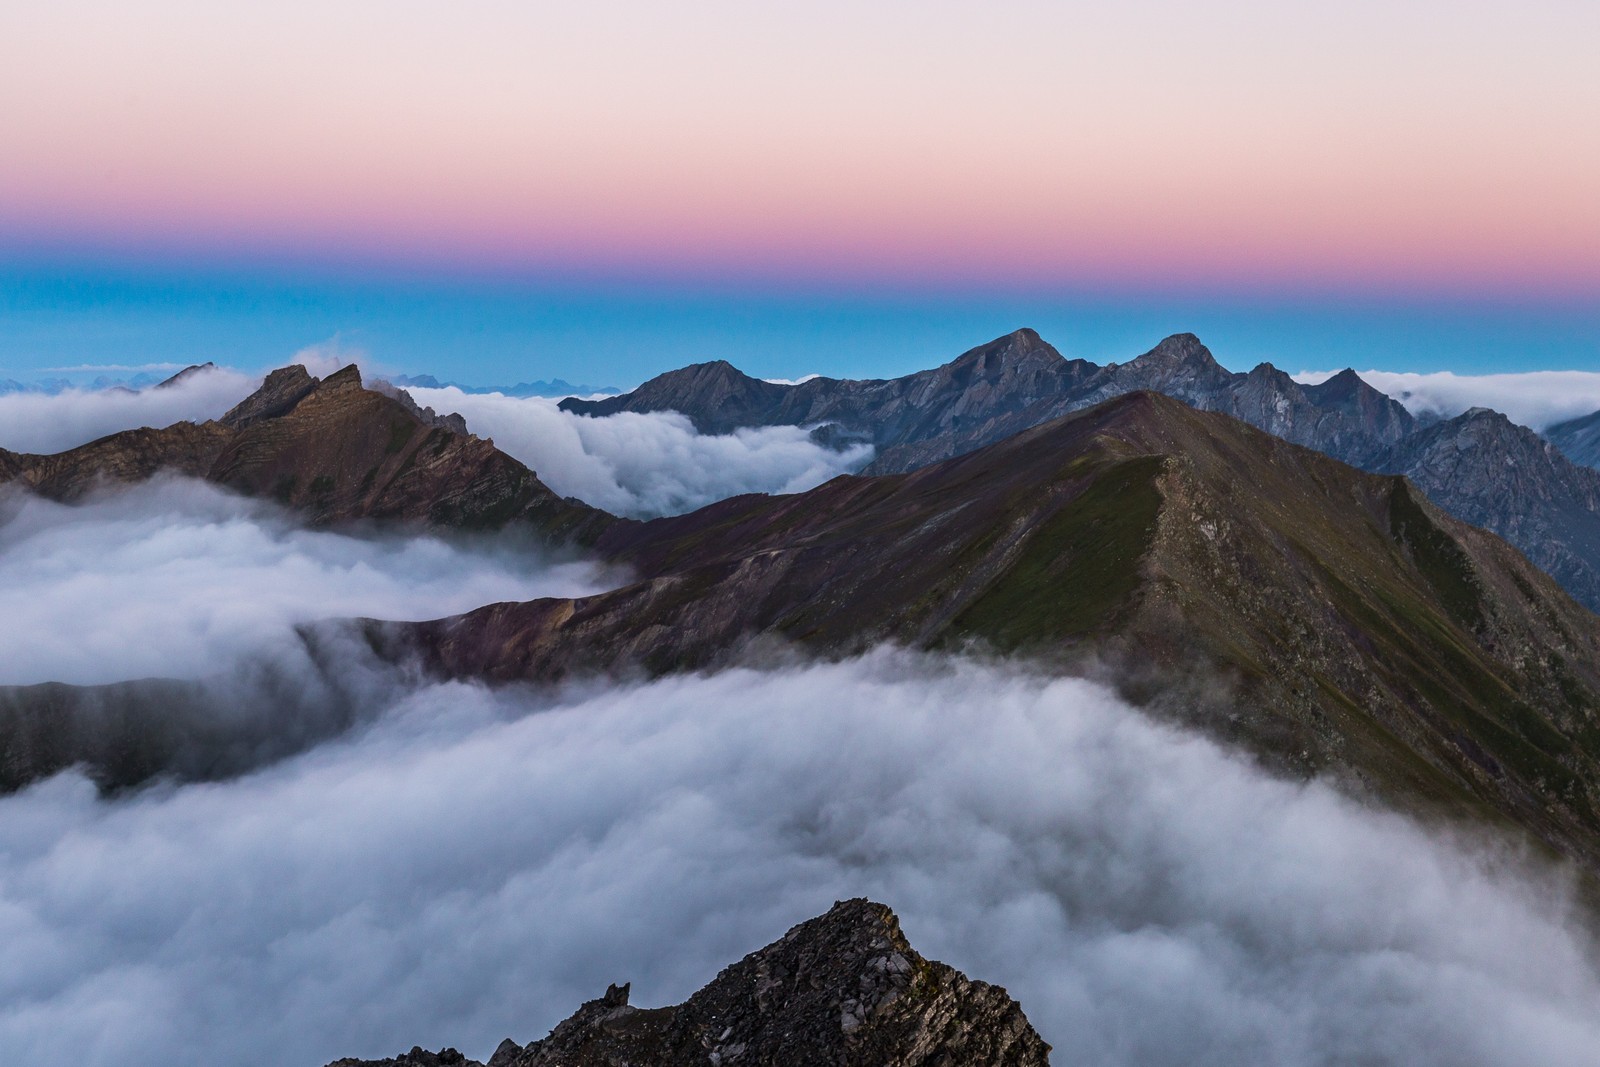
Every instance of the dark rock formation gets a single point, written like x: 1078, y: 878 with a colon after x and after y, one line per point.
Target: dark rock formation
x: 1326, y: 618
x: 332, y: 450
x: 1578, y: 439
x: 1545, y: 506
x: 843, y: 989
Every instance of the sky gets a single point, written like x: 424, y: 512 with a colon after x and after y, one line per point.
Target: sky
x: 496, y: 192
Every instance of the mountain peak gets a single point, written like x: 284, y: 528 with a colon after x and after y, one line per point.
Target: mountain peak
x: 1183, y: 349
x: 1021, y: 350
x: 186, y: 373
x: 279, y: 393
x: 844, y: 988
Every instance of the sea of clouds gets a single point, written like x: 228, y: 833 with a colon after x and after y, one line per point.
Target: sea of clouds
x: 44, y: 423
x: 462, y: 864
x: 179, y: 578
x: 644, y: 465
x: 638, y: 465
x: 1536, y: 399
x: 476, y: 864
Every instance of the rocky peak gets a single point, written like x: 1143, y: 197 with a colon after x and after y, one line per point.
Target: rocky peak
x: 278, y: 395
x: 845, y: 988
x: 1179, y: 366
x: 454, y: 422
x: 346, y: 377
x: 1344, y: 386
x: 1180, y: 349
x: 1015, y: 350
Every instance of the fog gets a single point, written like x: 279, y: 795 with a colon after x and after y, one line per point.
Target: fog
x: 644, y: 465
x: 177, y: 578
x: 1536, y: 399
x: 437, y: 863
x: 37, y: 422
x: 474, y: 865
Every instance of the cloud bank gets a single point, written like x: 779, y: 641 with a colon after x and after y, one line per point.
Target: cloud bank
x: 39, y: 422
x: 474, y: 865
x: 644, y: 465
x: 177, y: 578
x: 1536, y: 399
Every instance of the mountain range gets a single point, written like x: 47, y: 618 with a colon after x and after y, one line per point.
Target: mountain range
x: 1328, y: 619
x: 554, y: 388
x: 1478, y: 466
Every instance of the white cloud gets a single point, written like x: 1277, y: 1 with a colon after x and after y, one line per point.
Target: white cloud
x: 38, y: 422
x: 114, y: 368
x: 791, y: 381
x: 1537, y: 399
x: 179, y: 579
x: 475, y: 865
x: 645, y: 465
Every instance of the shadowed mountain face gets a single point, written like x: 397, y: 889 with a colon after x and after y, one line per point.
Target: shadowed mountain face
x: 844, y: 988
x: 1516, y: 485
x: 333, y: 451
x: 1578, y: 439
x: 1327, y: 618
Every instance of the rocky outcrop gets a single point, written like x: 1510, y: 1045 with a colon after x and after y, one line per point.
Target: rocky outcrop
x: 845, y: 989
x: 333, y: 451
x: 1328, y: 619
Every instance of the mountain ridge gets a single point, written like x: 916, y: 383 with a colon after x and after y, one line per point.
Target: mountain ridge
x: 1327, y: 618
x: 332, y: 450
x: 999, y: 389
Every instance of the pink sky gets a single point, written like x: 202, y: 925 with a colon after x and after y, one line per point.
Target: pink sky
x: 1424, y: 146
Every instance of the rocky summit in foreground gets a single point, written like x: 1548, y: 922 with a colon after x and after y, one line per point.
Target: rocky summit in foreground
x: 844, y: 989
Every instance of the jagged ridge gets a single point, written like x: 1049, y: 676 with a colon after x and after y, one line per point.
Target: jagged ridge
x: 845, y: 988
x: 1540, y: 502
x: 332, y: 450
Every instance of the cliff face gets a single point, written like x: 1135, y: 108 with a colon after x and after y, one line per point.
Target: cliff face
x: 332, y: 450
x: 1348, y: 624
x: 845, y: 988
x: 1540, y: 501
x: 1578, y: 439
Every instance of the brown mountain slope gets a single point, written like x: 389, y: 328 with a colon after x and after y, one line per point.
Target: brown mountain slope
x: 1326, y: 617
x: 334, y: 451
x: 845, y: 988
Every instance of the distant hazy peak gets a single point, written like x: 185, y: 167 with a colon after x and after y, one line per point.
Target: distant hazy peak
x: 187, y: 373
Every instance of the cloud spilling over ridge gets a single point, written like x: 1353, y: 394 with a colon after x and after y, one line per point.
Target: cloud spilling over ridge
x: 1536, y: 399
x: 44, y: 423
x: 178, y: 578
x: 474, y: 865
x: 644, y: 465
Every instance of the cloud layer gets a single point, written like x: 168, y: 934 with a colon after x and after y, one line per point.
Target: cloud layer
x: 645, y: 465
x: 1537, y: 399
x: 475, y: 865
x: 180, y: 579
x: 37, y: 422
